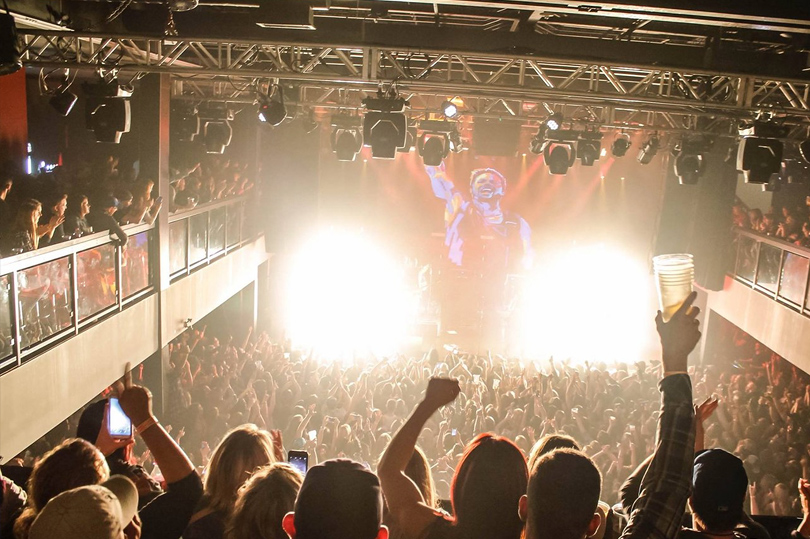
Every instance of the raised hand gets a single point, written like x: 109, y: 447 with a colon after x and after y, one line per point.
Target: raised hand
x: 680, y: 335
x: 106, y: 443
x: 441, y: 391
x: 136, y: 401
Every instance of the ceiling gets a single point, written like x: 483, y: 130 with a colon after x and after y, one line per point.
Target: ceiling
x: 609, y: 61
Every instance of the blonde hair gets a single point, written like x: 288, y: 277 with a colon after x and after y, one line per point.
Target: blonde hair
x: 73, y: 463
x: 263, y: 501
x: 238, y: 455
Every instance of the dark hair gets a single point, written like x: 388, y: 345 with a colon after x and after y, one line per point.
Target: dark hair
x: 73, y: 463
x: 563, y: 494
x: 489, y: 481
x: 549, y: 443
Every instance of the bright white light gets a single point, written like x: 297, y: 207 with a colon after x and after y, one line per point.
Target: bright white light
x: 347, y: 296
x: 591, y: 303
x: 450, y: 109
x: 603, y: 152
x: 262, y: 117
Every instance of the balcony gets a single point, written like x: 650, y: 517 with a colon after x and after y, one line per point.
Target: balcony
x: 71, y: 315
x: 766, y: 294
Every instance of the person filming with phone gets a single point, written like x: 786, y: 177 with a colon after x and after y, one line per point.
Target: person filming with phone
x: 111, y: 425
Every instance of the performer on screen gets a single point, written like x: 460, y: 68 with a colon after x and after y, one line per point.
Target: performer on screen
x: 480, y: 235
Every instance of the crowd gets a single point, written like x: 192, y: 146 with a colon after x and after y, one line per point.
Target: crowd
x: 556, y: 450
x: 789, y: 224
x: 67, y: 203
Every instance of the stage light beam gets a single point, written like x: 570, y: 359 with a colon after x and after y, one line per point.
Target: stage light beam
x: 346, y: 295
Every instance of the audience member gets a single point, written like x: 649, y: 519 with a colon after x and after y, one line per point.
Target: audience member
x: 243, y: 451
x: 105, y: 511
x: 339, y: 499
x: 22, y: 235
x: 101, y: 218
x: 76, y: 224
x: 263, y: 501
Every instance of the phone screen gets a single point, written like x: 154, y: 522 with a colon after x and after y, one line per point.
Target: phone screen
x: 312, y: 435
x: 118, y: 424
x: 299, y: 460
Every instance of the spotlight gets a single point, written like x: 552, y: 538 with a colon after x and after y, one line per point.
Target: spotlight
x: 689, y: 167
x: 690, y: 158
x: 554, y: 121
x: 433, y: 148
x: 63, y: 102
x: 759, y: 158
x: 620, y: 145
x: 271, y: 109
x: 9, y: 45
x: 346, y: 144
x: 589, y: 148
x: 410, y: 140
x: 558, y: 157
x: 385, y: 127
x: 449, y: 109
x: 804, y: 150
x: 185, y: 123
x: 108, y: 117
x: 648, y: 150
x: 538, y: 142
x: 217, y: 135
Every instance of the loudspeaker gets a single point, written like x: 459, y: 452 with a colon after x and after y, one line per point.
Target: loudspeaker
x: 697, y: 219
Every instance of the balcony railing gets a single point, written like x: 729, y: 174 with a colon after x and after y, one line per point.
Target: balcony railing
x: 53, y: 293
x: 773, y: 267
x: 198, y: 236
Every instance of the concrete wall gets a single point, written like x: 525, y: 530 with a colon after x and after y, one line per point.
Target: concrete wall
x: 40, y: 394
x: 781, y: 329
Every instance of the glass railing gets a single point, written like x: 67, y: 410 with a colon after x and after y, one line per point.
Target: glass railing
x: 54, y: 292
x: 774, y: 267
x: 198, y: 236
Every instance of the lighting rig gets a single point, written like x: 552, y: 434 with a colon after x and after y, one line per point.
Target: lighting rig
x: 385, y: 127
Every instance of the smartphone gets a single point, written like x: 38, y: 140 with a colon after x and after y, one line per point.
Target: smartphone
x: 118, y: 424
x: 159, y: 200
x: 454, y: 432
x: 312, y: 435
x: 476, y: 378
x: 496, y: 383
x: 299, y: 460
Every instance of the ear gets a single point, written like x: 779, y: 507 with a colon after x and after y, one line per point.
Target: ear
x: 383, y: 533
x: 523, y: 508
x: 593, y: 527
x: 288, y: 524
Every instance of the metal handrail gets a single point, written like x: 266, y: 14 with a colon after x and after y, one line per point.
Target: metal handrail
x: 777, y: 292
x: 774, y: 242
x: 65, y: 248
x: 204, y: 208
x: 72, y: 250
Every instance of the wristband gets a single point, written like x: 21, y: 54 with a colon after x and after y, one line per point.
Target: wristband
x: 670, y: 373
x: 145, y: 425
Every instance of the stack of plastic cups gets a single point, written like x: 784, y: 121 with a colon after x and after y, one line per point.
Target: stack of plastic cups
x: 674, y: 274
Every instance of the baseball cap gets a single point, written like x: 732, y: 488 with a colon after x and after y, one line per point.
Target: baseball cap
x: 97, y: 511
x: 339, y: 499
x: 720, y: 483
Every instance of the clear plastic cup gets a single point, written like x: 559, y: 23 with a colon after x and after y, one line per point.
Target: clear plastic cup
x: 674, y: 274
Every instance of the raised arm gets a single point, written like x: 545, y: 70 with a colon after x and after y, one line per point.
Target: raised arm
x: 442, y: 185
x: 658, y: 511
x: 403, y: 497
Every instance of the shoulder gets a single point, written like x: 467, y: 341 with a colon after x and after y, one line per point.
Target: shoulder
x: 441, y: 528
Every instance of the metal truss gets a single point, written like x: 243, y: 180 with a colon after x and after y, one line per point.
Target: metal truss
x: 497, y: 85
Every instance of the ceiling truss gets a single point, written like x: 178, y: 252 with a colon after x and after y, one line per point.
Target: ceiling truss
x: 491, y: 85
